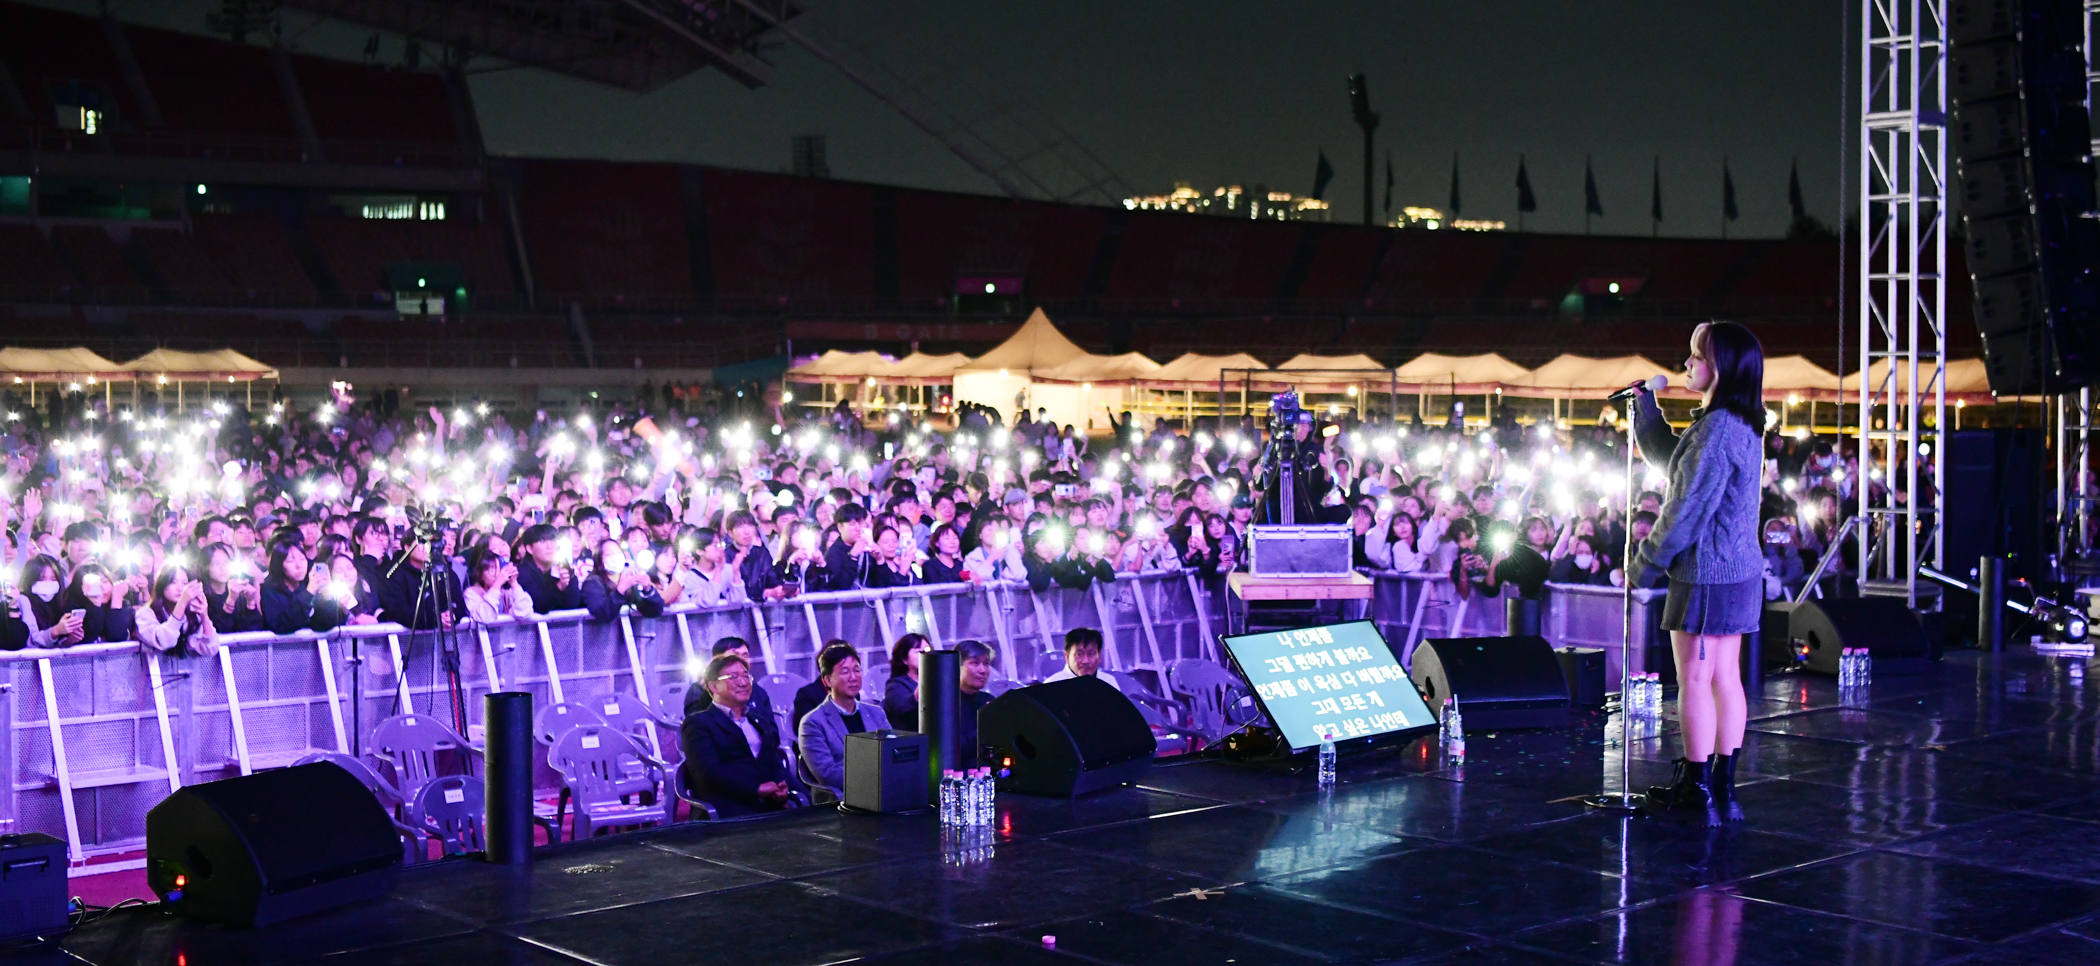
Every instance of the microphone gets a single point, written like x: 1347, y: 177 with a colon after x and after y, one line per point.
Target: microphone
x: 1654, y: 385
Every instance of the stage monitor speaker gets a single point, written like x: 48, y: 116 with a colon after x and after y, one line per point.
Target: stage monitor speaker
x: 270, y: 846
x: 1885, y: 626
x: 1500, y: 682
x: 2022, y: 139
x: 1583, y: 669
x: 886, y: 771
x: 34, y: 897
x: 1065, y: 738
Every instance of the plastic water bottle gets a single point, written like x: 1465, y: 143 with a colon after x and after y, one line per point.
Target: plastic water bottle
x: 987, y: 803
x: 951, y: 797
x: 1443, y: 723
x: 1846, y: 666
x: 1326, y: 760
x: 1636, y: 699
x: 1655, y: 695
x: 1863, y: 672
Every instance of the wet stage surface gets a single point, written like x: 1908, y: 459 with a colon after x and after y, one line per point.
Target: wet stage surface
x: 1953, y: 817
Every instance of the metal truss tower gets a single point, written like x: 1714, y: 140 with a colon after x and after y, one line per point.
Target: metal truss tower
x: 1903, y: 187
x: 2075, y: 492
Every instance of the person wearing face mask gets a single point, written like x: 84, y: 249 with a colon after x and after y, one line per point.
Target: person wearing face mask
x: 617, y: 583
x: 1581, y: 565
x: 46, y: 623
x: 93, y: 596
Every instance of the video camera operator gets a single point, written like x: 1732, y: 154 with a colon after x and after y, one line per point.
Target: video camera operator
x: 1294, y: 442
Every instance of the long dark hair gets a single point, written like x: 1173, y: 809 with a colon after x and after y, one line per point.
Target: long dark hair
x: 1738, y: 362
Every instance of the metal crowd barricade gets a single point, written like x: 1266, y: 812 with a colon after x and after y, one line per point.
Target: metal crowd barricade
x: 1587, y: 615
x: 93, y: 729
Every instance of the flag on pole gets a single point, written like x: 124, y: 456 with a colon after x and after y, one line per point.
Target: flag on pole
x: 1592, y: 205
x: 1526, y: 201
x: 1727, y: 192
x: 1655, y: 197
x: 1322, y: 174
x: 1389, y: 186
x: 1793, y: 192
x: 1454, y: 184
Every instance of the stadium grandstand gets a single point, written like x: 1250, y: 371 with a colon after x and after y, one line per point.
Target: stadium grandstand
x: 305, y: 211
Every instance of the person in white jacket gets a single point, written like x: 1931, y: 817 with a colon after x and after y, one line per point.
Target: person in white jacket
x: 177, y: 620
x: 492, y: 591
x: 998, y: 554
x: 1395, y: 546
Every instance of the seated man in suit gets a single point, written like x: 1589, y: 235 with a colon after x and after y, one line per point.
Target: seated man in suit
x: 697, y: 699
x: 732, y: 758
x: 824, y: 730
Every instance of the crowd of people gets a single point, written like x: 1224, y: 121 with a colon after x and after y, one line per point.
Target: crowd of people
x: 170, y: 528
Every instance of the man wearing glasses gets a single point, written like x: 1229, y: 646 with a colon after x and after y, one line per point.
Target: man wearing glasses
x: 732, y: 756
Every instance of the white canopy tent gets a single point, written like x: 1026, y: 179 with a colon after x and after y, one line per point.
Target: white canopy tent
x: 164, y: 366
x: 1003, y: 379
x: 840, y: 367
x: 1967, y: 381
x: 1432, y: 372
x: 1572, y: 376
x: 27, y: 367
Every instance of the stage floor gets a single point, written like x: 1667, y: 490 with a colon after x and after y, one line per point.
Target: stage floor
x: 1950, y: 817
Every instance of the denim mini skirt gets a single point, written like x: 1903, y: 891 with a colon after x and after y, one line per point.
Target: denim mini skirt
x: 1714, y: 608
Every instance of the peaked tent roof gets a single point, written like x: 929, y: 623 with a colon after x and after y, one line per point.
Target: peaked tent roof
x: 1796, y: 376
x: 1481, y: 373
x: 920, y: 369
x: 1037, y: 345
x: 49, y: 364
x: 1349, y: 362
x: 216, y: 364
x: 1199, y: 372
x: 1967, y: 380
x: 1099, y: 369
x: 837, y: 366
x: 1573, y: 375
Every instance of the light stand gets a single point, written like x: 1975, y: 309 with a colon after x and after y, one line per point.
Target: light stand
x: 1624, y: 801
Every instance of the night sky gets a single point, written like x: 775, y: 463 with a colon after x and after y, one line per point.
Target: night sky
x: 1234, y: 91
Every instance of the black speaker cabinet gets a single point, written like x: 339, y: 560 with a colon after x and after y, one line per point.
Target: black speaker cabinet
x: 34, y: 897
x: 1884, y: 626
x: 1583, y: 670
x: 270, y: 846
x: 1065, y: 738
x: 1501, y: 682
x: 886, y: 771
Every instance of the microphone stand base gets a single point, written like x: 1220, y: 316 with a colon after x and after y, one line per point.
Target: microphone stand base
x: 1614, y: 802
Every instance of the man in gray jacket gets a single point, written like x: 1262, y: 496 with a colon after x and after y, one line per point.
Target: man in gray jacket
x: 823, y: 731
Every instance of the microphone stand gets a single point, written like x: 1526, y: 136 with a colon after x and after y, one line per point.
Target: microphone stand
x: 1624, y: 801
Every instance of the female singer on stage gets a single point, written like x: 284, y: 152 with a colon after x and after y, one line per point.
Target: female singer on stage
x: 1706, y: 540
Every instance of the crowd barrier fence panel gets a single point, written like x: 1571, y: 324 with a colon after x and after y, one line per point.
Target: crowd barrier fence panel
x: 1587, y: 615
x: 94, y: 728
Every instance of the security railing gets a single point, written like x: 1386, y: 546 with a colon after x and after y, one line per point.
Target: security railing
x: 101, y: 733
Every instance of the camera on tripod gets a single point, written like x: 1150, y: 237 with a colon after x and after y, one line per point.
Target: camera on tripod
x: 1285, y: 416
x: 428, y: 529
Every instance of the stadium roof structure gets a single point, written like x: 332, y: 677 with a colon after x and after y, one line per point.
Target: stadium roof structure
x: 636, y: 45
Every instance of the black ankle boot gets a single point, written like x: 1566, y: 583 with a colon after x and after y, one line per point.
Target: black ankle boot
x: 1724, y: 787
x: 1690, y: 793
